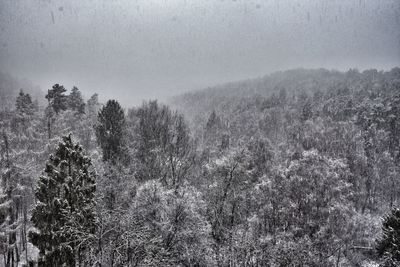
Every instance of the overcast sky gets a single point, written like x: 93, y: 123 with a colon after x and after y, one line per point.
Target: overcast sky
x: 139, y: 49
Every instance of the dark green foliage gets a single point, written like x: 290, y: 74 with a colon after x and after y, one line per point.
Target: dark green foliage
x: 388, y: 246
x: 110, y: 130
x: 75, y: 101
x: 64, y: 213
x: 57, y: 98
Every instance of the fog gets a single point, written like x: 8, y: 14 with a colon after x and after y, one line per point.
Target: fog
x: 138, y: 49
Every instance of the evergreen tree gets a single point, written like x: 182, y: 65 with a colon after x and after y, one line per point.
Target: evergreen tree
x: 110, y: 130
x: 57, y: 102
x: 24, y: 104
x: 389, y: 245
x: 75, y: 101
x: 57, y: 98
x: 64, y: 213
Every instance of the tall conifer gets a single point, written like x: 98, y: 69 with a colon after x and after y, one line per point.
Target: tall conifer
x: 64, y: 214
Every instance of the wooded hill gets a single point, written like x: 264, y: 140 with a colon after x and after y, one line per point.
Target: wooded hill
x: 296, y: 168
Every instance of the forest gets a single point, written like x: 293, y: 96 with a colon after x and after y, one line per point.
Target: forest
x: 296, y: 168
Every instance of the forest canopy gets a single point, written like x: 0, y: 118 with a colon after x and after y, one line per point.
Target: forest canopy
x: 297, y: 168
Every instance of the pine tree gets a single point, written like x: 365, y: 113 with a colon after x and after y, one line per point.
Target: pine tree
x: 64, y: 214
x: 110, y: 130
x: 57, y: 99
x: 389, y: 245
x: 57, y: 102
x: 75, y: 101
x: 24, y: 104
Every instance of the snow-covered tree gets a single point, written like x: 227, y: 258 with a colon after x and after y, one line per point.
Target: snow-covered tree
x: 75, y: 101
x: 24, y: 104
x: 388, y: 246
x: 57, y: 98
x: 10, y: 204
x: 93, y: 105
x: 64, y: 214
x: 163, y: 148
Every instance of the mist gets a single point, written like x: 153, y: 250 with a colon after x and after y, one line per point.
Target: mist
x: 141, y: 49
x: 199, y: 133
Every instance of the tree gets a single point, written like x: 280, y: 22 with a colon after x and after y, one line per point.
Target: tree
x: 114, y: 193
x: 212, y: 120
x: 282, y: 96
x: 152, y: 138
x: 20, y: 151
x: 110, y: 130
x: 75, y: 101
x: 93, y: 104
x: 178, y: 231
x: 306, y: 111
x: 56, y: 98
x: 64, y: 214
x: 10, y: 205
x: 57, y: 101
x: 163, y: 146
x: 388, y: 245
x: 24, y: 104
x: 213, y: 131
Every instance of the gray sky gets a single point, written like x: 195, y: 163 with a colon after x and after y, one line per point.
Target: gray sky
x: 139, y: 49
